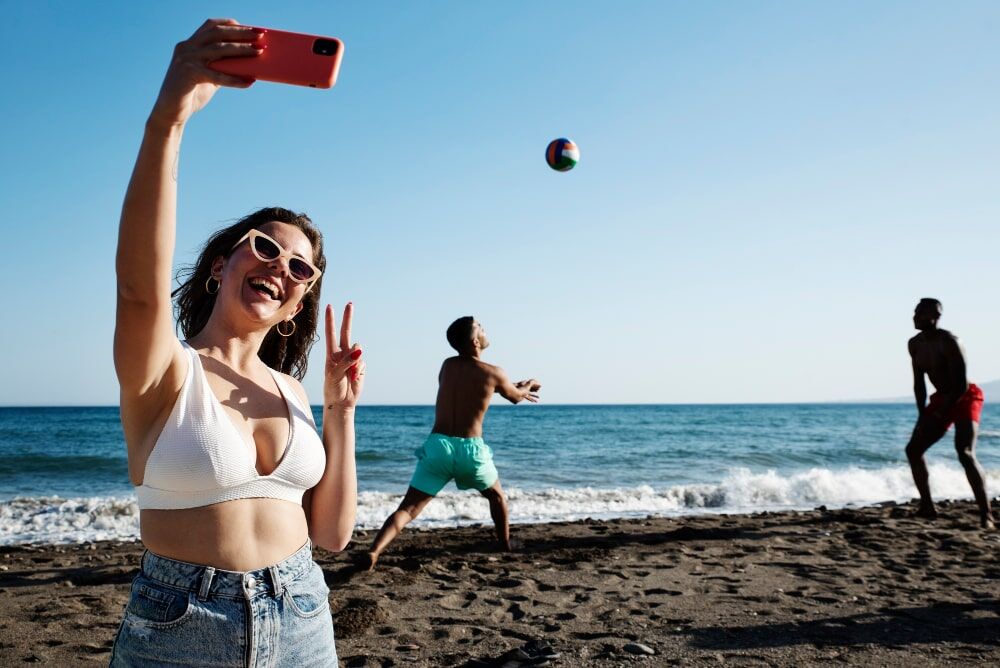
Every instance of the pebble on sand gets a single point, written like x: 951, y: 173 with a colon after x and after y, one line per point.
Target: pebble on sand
x: 637, y: 648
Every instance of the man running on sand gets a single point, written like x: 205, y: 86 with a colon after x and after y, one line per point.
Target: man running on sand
x: 455, y: 449
x: 938, y: 354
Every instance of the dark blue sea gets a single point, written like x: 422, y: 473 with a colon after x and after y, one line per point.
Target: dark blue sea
x: 63, y: 475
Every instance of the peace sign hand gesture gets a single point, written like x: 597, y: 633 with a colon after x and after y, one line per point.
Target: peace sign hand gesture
x: 345, y: 370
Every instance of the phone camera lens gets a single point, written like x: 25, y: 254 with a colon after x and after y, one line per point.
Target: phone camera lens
x: 324, y: 47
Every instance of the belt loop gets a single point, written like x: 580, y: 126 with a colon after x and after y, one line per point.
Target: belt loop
x: 276, y: 581
x: 205, y: 585
x: 142, y: 562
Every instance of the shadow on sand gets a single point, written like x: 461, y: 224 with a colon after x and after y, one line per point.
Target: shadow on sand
x: 977, y: 622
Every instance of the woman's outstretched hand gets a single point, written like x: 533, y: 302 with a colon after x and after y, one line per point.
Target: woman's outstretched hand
x: 190, y: 83
x: 345, y: 370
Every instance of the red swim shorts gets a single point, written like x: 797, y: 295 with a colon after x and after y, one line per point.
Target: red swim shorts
x: 969, y: 407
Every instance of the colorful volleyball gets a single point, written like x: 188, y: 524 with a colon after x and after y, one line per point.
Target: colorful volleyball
x: 562, y: 154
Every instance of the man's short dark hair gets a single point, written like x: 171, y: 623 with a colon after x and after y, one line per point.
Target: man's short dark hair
x: 930, y: 302
x: 460, y: 333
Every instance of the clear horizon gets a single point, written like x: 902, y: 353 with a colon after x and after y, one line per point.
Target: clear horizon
x: 764, y: 191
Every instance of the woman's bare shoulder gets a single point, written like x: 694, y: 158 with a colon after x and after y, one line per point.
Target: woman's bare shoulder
x: 297, y: 387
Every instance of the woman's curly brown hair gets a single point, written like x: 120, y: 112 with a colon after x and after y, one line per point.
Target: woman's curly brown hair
x: 193, y: 304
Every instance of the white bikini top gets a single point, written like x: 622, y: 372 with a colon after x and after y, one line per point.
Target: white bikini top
x: 200, y: 458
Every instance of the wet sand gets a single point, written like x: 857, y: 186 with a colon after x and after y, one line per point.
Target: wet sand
x: 866, y: 587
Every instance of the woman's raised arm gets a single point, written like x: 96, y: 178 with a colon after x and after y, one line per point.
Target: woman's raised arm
x: 145, y: 344
x: 333, y: 502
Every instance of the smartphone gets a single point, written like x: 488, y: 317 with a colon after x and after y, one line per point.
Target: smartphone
x: 291, y: 58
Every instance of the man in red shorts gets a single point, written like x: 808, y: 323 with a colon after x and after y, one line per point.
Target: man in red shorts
x: 938, y: 354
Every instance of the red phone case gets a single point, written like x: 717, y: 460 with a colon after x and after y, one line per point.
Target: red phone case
x: 289, y: 57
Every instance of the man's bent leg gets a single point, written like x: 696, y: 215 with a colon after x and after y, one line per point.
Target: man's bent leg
x: 965, y: 444
x: 498, y: 511
x: 412, y: 504
x: 925, y: 434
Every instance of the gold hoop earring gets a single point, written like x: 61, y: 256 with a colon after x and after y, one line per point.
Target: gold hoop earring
x: 218, y: 284
x: 278, y: 327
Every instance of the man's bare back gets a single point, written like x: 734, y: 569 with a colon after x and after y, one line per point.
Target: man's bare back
x: 465, y: 387
x: 939, y: 354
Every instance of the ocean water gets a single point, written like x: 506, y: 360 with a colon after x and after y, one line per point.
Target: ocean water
x: 63, y: 474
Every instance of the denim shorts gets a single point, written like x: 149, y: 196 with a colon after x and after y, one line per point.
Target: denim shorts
x: 181, y: 614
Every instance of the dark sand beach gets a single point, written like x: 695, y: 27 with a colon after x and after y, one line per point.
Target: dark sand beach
x: 867, y: 587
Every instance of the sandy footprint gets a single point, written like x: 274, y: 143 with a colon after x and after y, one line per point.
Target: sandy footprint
x: 457, y: 601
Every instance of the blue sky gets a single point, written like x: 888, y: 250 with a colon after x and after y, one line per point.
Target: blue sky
x: 765, y: 189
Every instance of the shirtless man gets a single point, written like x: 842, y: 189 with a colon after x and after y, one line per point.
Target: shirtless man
x: 455, y: 449
x: 938, y: 354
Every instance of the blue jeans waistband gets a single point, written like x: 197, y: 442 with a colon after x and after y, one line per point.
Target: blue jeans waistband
x: 208, y: 581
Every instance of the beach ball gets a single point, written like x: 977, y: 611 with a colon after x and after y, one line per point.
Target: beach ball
x: 562, y: 154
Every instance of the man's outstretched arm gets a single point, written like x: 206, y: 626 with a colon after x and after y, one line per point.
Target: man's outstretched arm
x: 515, y: 393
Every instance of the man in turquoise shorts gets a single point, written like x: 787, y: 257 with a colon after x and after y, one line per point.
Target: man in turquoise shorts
x: 455, y: 449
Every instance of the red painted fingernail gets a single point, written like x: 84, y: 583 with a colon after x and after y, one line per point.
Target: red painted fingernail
x: 356, y: 354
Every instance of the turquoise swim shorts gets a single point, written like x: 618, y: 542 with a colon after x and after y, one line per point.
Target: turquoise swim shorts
x: 469, y: 461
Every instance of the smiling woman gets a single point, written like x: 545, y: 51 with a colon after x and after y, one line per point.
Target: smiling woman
x: 196, y: 296
x: 233, y: 483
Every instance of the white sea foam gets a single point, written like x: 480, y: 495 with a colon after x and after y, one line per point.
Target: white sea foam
x: 53, y: 520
